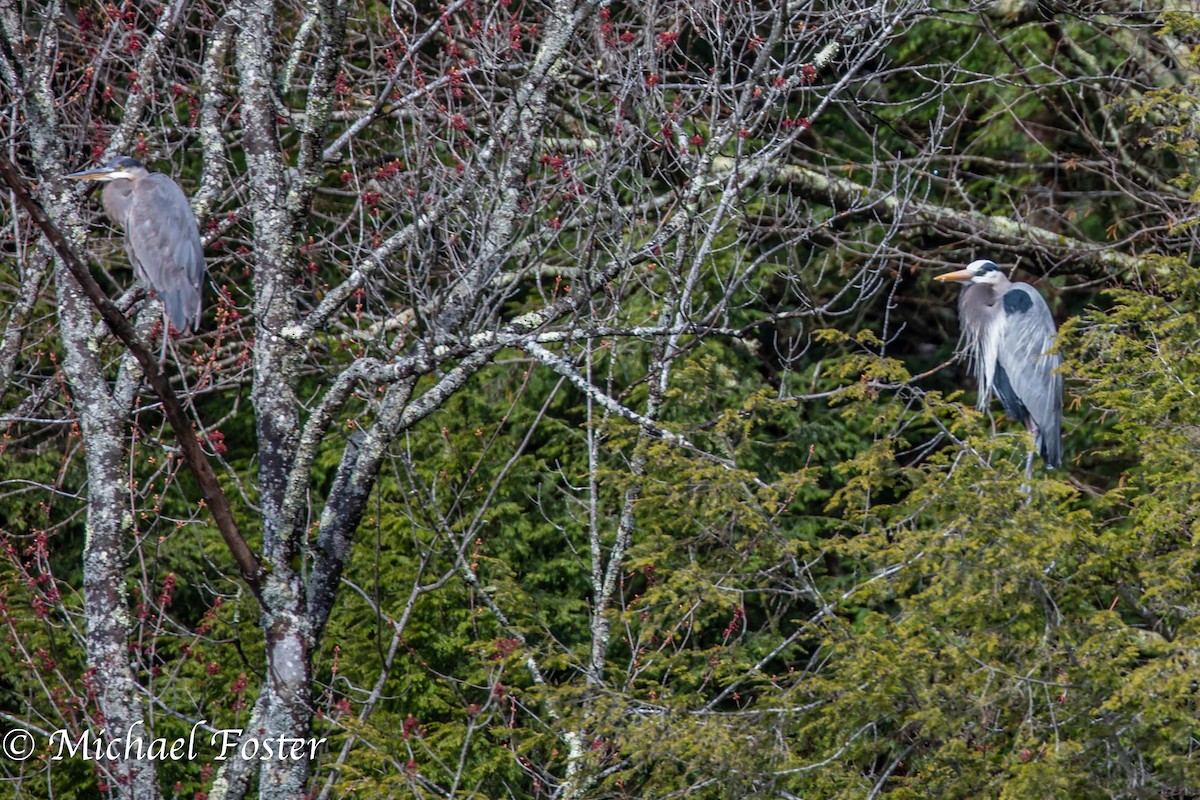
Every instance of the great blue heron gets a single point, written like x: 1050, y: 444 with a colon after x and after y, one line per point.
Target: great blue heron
x: 161, y: 236
x: 1008, y: 332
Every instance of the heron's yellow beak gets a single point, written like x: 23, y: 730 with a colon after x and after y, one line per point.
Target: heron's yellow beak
x: 92, y: 174
x: 960, y: 276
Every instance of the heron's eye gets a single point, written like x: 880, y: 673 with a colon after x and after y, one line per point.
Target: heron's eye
x: 988, y: 272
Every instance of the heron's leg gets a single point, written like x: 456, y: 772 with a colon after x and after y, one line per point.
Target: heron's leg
x: 1033, y: 430
x: 1026, y: 488
x: 166, y: 335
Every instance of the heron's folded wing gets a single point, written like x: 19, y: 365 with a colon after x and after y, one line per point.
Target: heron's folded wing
x: 1031, y: 368
x: 165, y: 241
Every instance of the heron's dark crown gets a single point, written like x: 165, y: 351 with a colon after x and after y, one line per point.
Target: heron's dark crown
x: 124, y: 162
x: 985, y: 267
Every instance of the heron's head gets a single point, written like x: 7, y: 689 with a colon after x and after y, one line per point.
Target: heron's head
x: 981, y: 271
x: 117, y: 169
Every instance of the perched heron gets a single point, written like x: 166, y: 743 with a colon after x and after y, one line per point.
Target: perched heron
x: 1008, y: 332
x: 161, y: 235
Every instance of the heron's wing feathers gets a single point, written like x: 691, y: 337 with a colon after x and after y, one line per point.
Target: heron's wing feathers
x: 164, y: 244
x: 1026, y: 339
